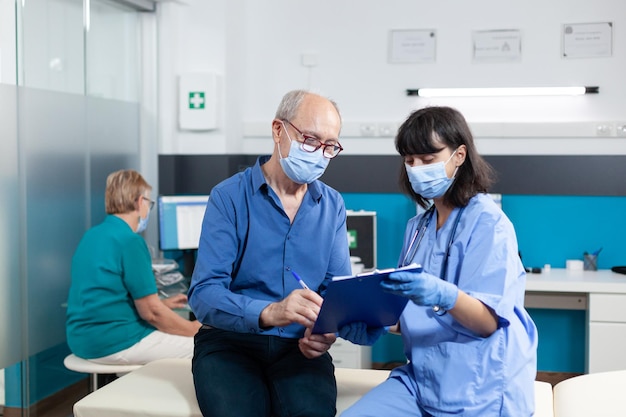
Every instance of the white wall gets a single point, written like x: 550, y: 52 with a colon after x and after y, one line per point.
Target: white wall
x: 257, y: 46
x: 7, y: 41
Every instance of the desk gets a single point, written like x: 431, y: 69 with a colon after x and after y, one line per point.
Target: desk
x: 603, y: 295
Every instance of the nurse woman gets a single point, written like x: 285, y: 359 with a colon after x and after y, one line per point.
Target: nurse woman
x: 471, y: 345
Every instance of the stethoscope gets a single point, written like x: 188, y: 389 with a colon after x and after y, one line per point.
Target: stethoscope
x: 417, y: 237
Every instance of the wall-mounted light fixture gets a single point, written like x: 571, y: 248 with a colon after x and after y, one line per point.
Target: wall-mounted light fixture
x: 502, y: 91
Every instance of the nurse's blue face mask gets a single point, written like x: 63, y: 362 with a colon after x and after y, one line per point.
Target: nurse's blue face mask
x: 431, y: 180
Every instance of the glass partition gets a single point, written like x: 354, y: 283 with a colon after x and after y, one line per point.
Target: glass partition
x: 73, y: 118
x: 10, y: 291
x: 51, y: 45
x: 53, y: 150
x: 113, y: 132
x: 112, y: 56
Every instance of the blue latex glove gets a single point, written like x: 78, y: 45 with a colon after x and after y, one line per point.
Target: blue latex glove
x: 361, y: 334
x: 422, y: 288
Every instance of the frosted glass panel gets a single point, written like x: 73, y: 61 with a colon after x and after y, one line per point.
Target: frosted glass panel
x: 59, y: 141
x: 54, y: 157
x: 10, y: 294
x: 113, y: 132
x: 69, y: 144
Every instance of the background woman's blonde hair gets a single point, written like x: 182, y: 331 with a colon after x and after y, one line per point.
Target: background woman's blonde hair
x: 123, y: 188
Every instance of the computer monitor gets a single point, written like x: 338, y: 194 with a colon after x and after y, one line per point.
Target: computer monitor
x: 361, y: 227
x: 180, y: 221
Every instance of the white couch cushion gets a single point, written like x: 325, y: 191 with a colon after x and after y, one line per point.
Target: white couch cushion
x: 544, y: 406
x: 165, y: 388
x: 598, y: 394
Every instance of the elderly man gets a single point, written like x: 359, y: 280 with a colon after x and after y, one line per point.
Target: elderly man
x: 255, y: 354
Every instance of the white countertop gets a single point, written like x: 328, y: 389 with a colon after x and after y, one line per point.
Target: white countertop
x: 562, y: 280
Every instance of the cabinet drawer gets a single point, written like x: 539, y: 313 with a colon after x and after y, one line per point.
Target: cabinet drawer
x: 346, y: 361
x: 607, y: 344
x: 341, y: 344
x: 347, y: 347
x: 607, y: 308
x: 349, y: 355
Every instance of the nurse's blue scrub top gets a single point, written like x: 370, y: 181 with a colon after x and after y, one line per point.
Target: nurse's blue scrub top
x: 451, y: 370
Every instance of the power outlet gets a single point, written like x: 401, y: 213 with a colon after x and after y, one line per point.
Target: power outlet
x: 368, y: 129
x: 604, y: 129
x: 620, y: 129
x: 387, y: 130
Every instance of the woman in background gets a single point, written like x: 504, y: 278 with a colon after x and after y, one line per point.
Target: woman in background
x: 114, y: 315
x: 470, y: 343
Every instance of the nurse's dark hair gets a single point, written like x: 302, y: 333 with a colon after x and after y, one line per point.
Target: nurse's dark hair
x: 123, y: 189
x: 430, y: 130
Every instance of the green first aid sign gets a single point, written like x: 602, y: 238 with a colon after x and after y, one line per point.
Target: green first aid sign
x: 196, y: 100
x: 352, y: 239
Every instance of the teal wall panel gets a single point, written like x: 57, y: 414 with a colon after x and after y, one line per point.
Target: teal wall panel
x: 551, y: 229
x: 561, y: 340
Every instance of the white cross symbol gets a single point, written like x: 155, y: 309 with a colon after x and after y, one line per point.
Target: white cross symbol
x: 351, y: 239
x: 196, y: 100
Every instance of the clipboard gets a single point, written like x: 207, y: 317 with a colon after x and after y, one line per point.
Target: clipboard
x: 360, y: 298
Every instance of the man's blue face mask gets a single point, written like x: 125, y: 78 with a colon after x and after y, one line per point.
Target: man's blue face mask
x: 300, y: 166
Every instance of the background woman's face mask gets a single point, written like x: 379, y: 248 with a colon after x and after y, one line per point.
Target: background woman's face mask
x: 300, y: 166
x: 430, y: 181
x: 143, y: 223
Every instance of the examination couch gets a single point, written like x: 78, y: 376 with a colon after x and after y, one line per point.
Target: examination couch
x: 164, y: 388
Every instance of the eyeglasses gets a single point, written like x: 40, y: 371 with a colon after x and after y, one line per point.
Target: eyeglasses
x: 312, y: 144
x: 149, y: 201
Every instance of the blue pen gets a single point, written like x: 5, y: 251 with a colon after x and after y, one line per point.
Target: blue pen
x: 302, y: 283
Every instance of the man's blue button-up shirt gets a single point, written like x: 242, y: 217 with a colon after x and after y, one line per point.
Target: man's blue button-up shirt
x: 248, y: 248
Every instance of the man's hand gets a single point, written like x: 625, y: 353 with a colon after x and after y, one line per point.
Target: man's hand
x: 175, y: 301
x: 301, y: 306
x: 314, y: 345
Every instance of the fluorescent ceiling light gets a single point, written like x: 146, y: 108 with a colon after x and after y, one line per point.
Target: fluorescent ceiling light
x: 502, y: 91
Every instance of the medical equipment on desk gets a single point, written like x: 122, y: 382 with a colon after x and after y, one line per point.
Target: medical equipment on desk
x: 170, y: 281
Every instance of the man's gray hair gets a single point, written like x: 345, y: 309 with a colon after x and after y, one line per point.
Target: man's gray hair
x: 290, y: 103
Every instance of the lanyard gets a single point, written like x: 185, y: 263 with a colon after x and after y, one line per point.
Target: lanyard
x: 420, y: 231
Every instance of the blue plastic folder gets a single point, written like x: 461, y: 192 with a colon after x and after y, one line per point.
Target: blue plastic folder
x: 360, y: 298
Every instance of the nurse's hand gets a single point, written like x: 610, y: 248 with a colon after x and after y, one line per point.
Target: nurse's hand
x: 422, y: 288
x: 361, y: 334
